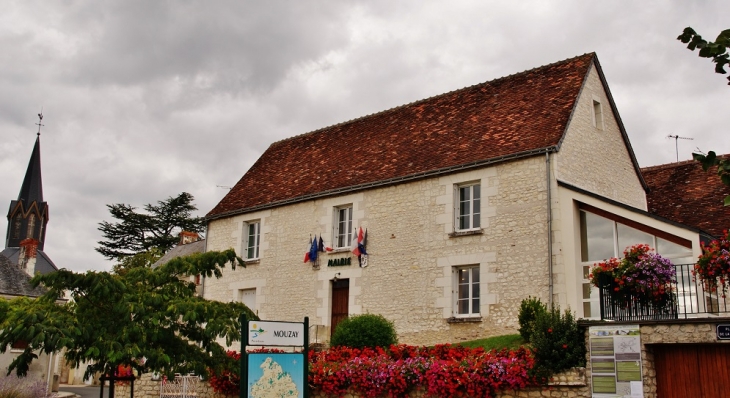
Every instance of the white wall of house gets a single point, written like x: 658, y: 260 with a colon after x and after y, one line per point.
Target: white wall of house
x: 412, y: 254
x: 593, y: 156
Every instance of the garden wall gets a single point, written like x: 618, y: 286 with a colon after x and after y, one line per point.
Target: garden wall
x: 145, y: 387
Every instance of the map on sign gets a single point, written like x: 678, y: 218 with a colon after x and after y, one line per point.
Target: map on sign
x: 275, y: 375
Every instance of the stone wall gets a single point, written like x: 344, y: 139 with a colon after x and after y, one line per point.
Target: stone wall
x: 145, y: 387
x: 412, y: 252
x: 595, y: 158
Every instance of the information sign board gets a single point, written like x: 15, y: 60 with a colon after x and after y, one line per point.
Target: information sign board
x: 269, y: 333
x: 615, y: 361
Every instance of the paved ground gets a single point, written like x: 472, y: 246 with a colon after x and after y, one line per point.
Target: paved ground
x: 66, y: 391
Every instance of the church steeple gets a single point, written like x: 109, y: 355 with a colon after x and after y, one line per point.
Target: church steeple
x: 28, y: 216
x: 32, y: 188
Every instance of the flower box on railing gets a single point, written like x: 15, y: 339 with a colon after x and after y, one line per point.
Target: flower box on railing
x: 639, y: 286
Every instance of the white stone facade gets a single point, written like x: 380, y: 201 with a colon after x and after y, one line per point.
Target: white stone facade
x: 595, y: 158
x: 411, y: 254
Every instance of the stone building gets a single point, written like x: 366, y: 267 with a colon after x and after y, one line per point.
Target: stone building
x: 470, y: 202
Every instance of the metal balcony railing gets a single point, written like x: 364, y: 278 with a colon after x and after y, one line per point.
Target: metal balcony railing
x: 689, y: 298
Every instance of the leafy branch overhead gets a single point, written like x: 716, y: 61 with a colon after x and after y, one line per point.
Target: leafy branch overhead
x: 716, y: 50
x: 118, y: 319
x: 137, y: 232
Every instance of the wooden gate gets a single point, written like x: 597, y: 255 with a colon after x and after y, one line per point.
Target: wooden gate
x: 692, y: 370
x: 340, y: 302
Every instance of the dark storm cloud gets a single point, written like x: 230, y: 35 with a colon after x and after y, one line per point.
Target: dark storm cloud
x: 232, y: 45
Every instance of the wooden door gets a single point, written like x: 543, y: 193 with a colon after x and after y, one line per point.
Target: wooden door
x: 340, y: 302
x: 692, y: 370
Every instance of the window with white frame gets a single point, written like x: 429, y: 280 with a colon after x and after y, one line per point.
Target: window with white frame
x: 343, y: 226
x: 602, y: 238
x: 597, y: 115
x: 468, y: 207
x: 466, y: 291
x: 251, y: 239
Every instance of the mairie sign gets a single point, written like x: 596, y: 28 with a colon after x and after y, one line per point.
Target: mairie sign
x: 275, y: 333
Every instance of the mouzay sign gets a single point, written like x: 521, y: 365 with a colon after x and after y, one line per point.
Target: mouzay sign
x: 275, y: 333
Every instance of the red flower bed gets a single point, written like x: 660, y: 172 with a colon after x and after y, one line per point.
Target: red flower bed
x: 442, y: 371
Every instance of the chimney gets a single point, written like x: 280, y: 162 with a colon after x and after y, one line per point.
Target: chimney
x: 27, y: 255
x: 188, y: 237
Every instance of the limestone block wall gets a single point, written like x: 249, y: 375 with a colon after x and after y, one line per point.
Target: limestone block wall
x: 145, y: 387
x: 595, y: 158
x: 412, y: 252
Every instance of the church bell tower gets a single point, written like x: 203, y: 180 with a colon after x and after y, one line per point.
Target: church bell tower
x: 28, y: 215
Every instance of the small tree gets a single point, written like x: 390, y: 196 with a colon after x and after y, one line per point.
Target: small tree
x: 137, y: 232
x: 119, y: 319
x: 530, y: 309
x: 366, y: 330
x: 558, y: 343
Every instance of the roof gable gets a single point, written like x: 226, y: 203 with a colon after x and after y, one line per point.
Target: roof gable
x: 685, y: 193
x: 513, y: 116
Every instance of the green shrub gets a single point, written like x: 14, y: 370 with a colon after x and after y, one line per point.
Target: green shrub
x: 530, y: 308
x: 367, y: 330
x: 558, y: 343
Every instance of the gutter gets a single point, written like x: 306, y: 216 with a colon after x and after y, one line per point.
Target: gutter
x: 549, y: 229
x: 205, y: 250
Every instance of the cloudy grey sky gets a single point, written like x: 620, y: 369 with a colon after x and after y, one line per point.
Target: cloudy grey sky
x: 143, y: 100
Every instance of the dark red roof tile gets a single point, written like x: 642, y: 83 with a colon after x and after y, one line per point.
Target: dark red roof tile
x: 508, y: 116
x: 684, y: 193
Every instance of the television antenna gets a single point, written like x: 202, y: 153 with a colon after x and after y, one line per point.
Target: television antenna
x: 676, y: 146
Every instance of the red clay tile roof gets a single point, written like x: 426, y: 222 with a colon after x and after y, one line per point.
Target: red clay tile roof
x: 501, y: 118
x: 683, y: 192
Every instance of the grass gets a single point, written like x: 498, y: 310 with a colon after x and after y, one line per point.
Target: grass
x: 509, y: 341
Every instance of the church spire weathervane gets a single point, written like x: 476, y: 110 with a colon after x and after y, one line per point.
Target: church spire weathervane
x: 40, y: 122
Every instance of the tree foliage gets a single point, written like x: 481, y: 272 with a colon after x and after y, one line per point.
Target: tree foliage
x: 115, y: 319
x: 716, y: 50
x: 136, y: 232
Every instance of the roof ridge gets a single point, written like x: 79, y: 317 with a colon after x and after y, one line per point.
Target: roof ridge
x: 412, y: 103
x: 677, y: 164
